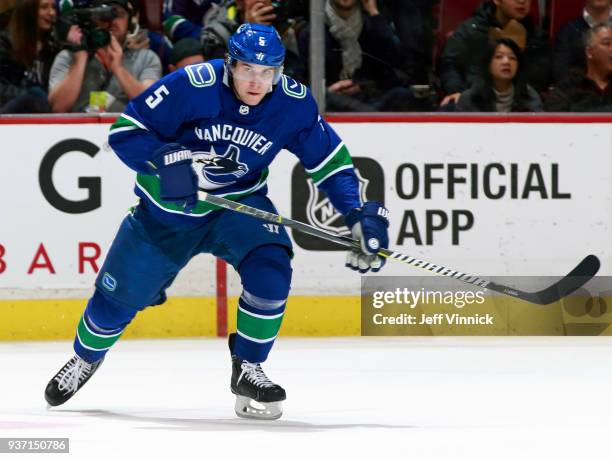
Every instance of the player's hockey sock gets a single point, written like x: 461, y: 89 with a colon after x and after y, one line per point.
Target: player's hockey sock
x: 101, y: 325
x: 257, y: 327
x: 266, y: 279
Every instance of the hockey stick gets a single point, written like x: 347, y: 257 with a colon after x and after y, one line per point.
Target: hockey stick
x: 579, y: 276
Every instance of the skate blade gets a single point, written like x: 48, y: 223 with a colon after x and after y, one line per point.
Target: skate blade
x: 250, y: 409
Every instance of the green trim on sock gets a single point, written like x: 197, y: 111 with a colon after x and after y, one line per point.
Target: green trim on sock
x: 92, y: 340
x: 258, y: 327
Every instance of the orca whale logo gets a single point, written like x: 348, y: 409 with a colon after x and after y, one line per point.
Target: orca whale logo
x: 216, y: 171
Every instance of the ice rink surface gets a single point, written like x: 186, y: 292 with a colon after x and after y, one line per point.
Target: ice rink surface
x: 358, y: 397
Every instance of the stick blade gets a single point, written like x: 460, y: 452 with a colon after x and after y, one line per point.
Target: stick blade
x: 577, y: 277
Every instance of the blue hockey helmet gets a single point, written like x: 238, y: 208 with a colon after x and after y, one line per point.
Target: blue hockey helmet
x: 257, y: 44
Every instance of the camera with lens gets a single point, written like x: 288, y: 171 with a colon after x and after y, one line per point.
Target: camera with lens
x: 87, y: 19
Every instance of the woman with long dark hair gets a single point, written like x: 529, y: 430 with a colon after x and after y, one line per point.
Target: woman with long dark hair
x: 502, y: 86
x: 26, y: 54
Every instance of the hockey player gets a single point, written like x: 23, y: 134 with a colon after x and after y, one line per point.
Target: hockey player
x: 217, y: 126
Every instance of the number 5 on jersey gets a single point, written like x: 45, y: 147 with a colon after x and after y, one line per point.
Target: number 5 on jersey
x: 156, y: 99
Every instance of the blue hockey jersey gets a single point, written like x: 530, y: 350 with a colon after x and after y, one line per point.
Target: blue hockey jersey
x: 232, y: 143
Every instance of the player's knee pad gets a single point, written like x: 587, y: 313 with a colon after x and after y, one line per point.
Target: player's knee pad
x: 266, y: 273
x: 106, y: 313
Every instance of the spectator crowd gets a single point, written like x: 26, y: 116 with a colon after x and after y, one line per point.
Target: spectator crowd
x: 60, y: 56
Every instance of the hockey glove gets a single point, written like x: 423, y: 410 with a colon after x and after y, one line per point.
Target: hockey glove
x: 369, y: 225
x: 178, y: 181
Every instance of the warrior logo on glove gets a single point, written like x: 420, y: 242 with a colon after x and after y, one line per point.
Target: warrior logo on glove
x: 369, y: 225
x: 178, y: 182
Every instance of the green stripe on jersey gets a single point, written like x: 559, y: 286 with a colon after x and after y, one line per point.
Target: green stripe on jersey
x: 339, y: 161
x: 260, y: 327
x: 151, y: 186
x: 123, y: 122
x: 92, y: 340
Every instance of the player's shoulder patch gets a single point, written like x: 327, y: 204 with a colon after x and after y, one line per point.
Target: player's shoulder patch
x: 201, y: 75
x: 293, y: 88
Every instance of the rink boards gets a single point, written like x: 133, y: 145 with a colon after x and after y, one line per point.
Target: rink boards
x: 493, y: 196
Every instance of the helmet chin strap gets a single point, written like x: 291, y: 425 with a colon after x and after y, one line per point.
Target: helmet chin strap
x: 226, y: 77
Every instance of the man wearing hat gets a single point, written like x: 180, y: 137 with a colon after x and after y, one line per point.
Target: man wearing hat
x: 107, y: 78
x: 186, y: 51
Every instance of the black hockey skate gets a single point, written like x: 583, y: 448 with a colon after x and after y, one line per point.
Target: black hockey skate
x: 69, y: 380
x: 256, y: 396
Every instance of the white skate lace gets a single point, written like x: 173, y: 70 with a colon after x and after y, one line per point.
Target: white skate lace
x: 73, y: 374
x: 254, y: 373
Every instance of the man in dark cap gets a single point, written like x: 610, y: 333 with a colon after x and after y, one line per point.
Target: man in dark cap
x: 186, y: 51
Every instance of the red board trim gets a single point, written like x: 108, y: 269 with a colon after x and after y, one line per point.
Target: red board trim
x: 527, y: 118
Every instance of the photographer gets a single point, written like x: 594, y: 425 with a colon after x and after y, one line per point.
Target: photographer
x: 187, y: 18
x: 103, y: 78
x: 224, y: 18
x: 26, y: 54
